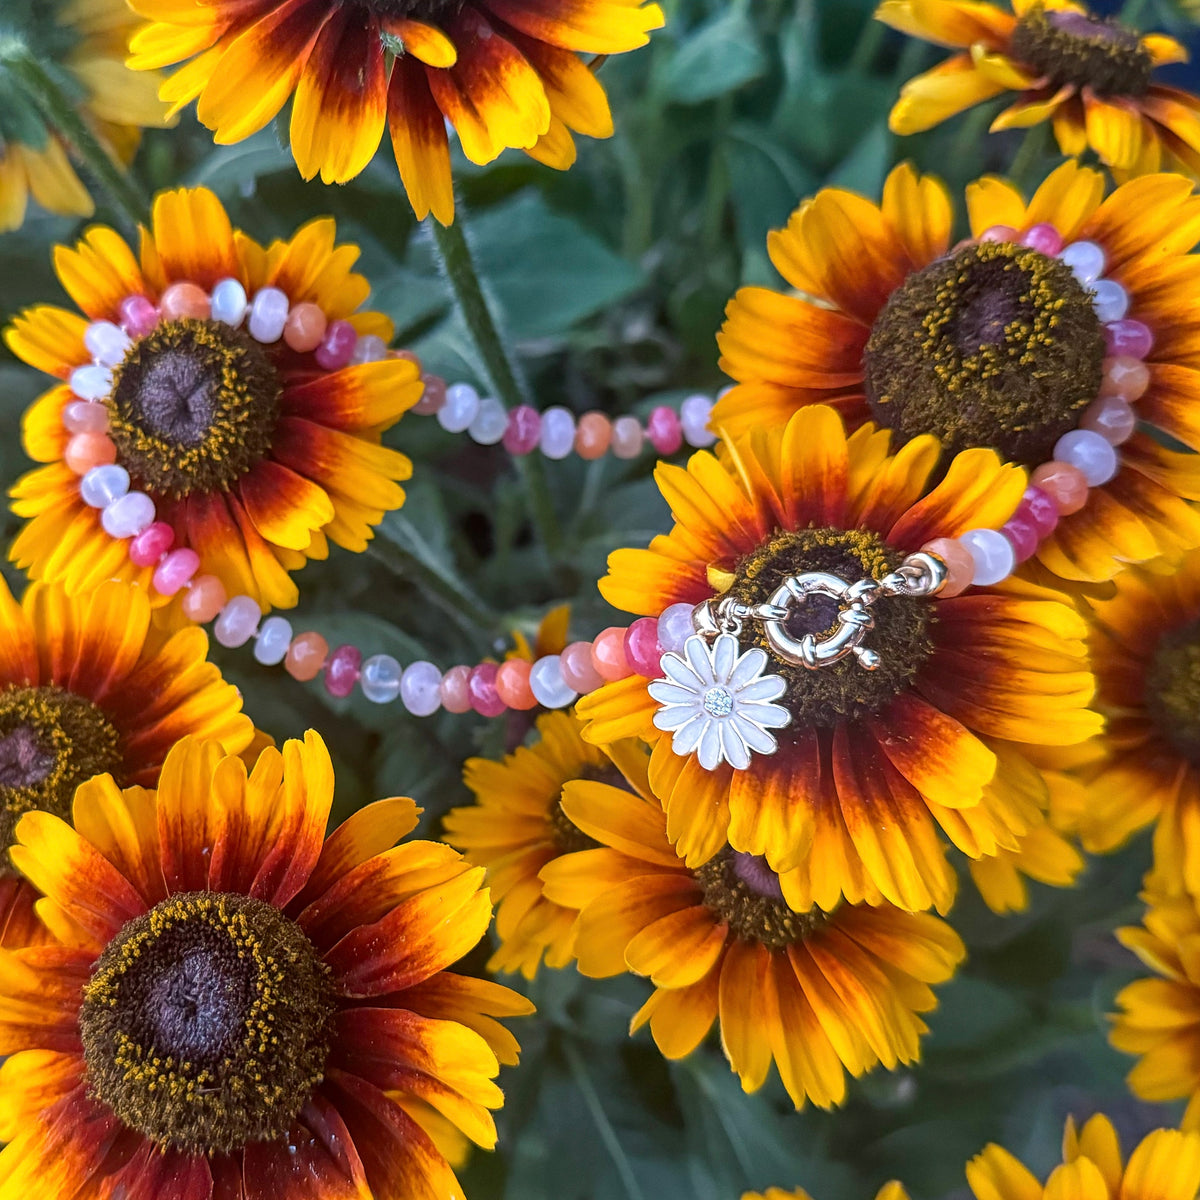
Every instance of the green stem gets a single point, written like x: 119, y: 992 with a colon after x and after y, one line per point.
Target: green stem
x: 1030, y: 150
x: 43, y: 90
x: 460, y: 271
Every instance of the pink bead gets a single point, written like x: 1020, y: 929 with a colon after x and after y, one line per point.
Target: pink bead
x: 642, y: 650
x: 407, y: 356
x: 87, y: 450
x: 1064, y: 484
x: 175, y: 571
x: 336, y: 346
x: 138, y: 316
x: 579, y: 672
x: 485, y: 700
x: 1128, y: 338
x: 626, y: 437
x: 182, y: 300
x: 204, y: 599
x: 664, y: 430
x: 1111, y: 417
x: 432, y: 398
x: 1000, y: 233
x: 151, y: 544
x: 85, y: 416
x: 512, y: 684
x: 960, y: 566
x: 608, y: 654
x: 1126, y: 377
x: 1041, y: 509
x: 1043, y: 238
x: 524, y: 430
x: 342, y: 669
x: 455, y: 690
x: 1022, y: 531
x: 305, y: 328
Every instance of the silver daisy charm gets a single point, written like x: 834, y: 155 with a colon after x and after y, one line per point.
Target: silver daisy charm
x: 716, y: 702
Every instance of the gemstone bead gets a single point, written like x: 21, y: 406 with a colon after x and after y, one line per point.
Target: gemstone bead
x: 1041, y: 508
x: 642, y: 649
x: 485, y: 700
x: 1111, y: 417
x: 175, y: 570
x: 268, y: 315
x: 91, y: 382
x: 433, y: 396
x: 102, y: 485
x: 1000, y: 233
x: 1128, y: 338
x: 106, y: 343
x: 455, y: 690
x: 462, y: 403
x: 524, y: 430
x: 663, y: 430
x: 608, y: 655
x: 1089, y: 453
x: 85, y: 416
x: 87, y: 450
x: 627, y: 437
x: 229, y: 302
x: 371, y: 348
x: 420, y: 688
x: 1110, y: 300
x: 185, y: 300
x: 274, y: 638
x: 1125, y: 377
x: 138, y: 316
x: 960, y: 565
x: 1064, y: 484
x: 593, y: 436
x: 675, y: 626
x: 694, y: 415
x: 578, y: 670
x: 127, y: 515
x: 380, y: 678
x: 305, y: 327
x: 1022, y: 531
x: 237, y: 622
x: 204, y: 599
x: 1086, y: 260
x: 337, y: 346
x: 490, y: 422
x: 306, y: 656
x: 558, y: 433
x: 512, y: 684
x: 151, y: 544
x: 341, y: 671
x: 993, y: 555
x: 1043, y: 238
x: 546, y: 682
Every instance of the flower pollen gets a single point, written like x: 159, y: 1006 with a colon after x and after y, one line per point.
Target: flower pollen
x: 1172, y: 695
x: 742, y: 890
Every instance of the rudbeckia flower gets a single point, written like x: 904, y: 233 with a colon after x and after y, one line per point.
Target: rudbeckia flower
x: 1047, y: 336
x: 873, y: 763
x: 216, y: 374
x: 722, y: 942
x: 1090, y: 76
x: 517, y: 826
x: 88, y: 688
x: 115, y: 102
x: 238, y: 1006
x: 504, y: 73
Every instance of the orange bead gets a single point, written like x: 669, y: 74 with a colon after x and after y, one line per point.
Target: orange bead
x: 1064, y: 484
x: 960, y: 566
x: 306, y: 656
x: 305, y: 327
x: 608, y: 655
x: 87, y: 450
x: 512, y: 684
x: 592, y: 435
x: 185, y: 300
x: 204, y: 599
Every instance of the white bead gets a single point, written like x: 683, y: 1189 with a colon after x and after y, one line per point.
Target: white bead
x: 229, y: 302
x: 1089, y: 453
x: 675, y: 626
x: 490, y: 422
x: 1086, y: 260
x: 1110, y: 300
x: 557, y: 437
x: 127, y: 515
x: 380, y: 679
x: 995, y: 558
x: 694, y: 413
x: 370, y: 348
x: 106, y: 343
x: 460, y: 409
x: 237, y: 622
x: 546, y: 683
x: 421, y: 688
x: 102, y: 485
x: 91, y: 382
x: 268, y: 315
x: 273, y: 640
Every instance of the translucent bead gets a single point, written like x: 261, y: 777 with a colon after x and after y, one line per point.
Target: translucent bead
x: 485, y: 700
x: 1064, y: 484
x: 204, y: 599
x: 91, y: 382
x: 1110, y: 300
x: 335, y: 350
x: 420, y: 688
x: 87, y: 450
x: 138, y: 316
x: 557, y: 438
x: 694, y: 414
x: 1086, y: 260
x: 102, y: 485
x: 993, y: 555
x: 304, y: 329
x: 549, y: 687
x: 1112, y: 418
x: 642, y: 648
x: 106, y: 343
x: 151, y: 544
x: 175, y: 571
x: 524, y: 430
x: 370, y: 348
x: 460, y: 409
x: 579, y: 672
x: 273, y: 641
x: 960, y: 566
x: 185, y: 300
x: 675, y: 626
x: 663, y: 430
x: 380, y: 679
x: 512, y: 684
x: 1126, y: 377
x: 237, y: 622
x: 1022, y: 533
x: 341, y: 671
x: 1000, y: 233
x: 1128, y: 338
x: 608, y: 655
x: 127, y: 515
x: 85, y: 416
x: 433, y: 397
x: 1089, y: 454
x: 268, y: 315
x: 1043, y: 238
x: 455, y: 690
x: 593, y: 436
x: 490, y: 422
x: 1040, y: 506
x: 627, y: 437
x: 229, y: 302
x: 306, y: 656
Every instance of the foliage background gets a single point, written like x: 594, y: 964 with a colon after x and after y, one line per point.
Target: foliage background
x: 611, y: 281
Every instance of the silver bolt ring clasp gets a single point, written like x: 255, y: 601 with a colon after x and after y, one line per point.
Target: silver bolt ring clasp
x: 854, y: 621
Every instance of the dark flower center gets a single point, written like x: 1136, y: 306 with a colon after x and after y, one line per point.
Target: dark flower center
x: 51, y: 740
x: 995, y: 345
x: 743, y: 891
x: 206, y: 1023
x: 1172, y: 695
x: 418, y: 10
x: 193, y: 407
x: 567, y: 836
x: 842, y: 691
x: 1072, y: 47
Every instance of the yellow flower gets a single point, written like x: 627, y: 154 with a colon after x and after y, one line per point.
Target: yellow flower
x: 1090, y: 77
x: 504, y: 73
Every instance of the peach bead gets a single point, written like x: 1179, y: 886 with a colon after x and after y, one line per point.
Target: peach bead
x: 185, y: 300
x: 512, y: 684
x: 306, y: 656
x: 960, y: 566
x: 608, y: 655
x: 1064, y: 484
x: 305, y: 327
x: 1125, y: 377
x: 578, y: 670
x: 407, y: 356
x: 87, y: 450
x: 455, y: 690
x: 592, y: 435
x: 204, y: 599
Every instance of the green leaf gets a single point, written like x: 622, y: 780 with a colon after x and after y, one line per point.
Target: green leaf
x: 721, y: 56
